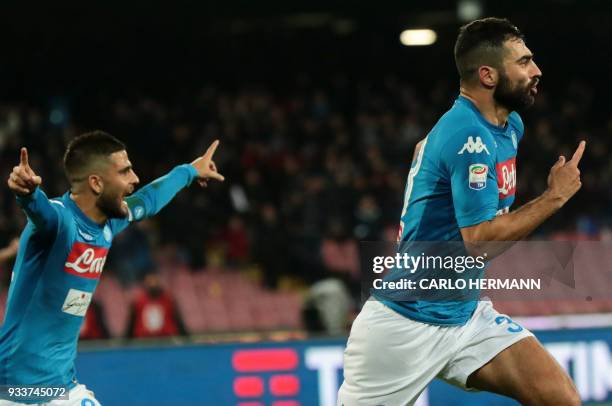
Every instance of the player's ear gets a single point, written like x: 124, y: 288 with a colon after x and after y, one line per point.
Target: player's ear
x: 488, y: 76
x: 96, y: 184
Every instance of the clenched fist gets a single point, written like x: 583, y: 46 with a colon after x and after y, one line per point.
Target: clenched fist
x: 23, y: 181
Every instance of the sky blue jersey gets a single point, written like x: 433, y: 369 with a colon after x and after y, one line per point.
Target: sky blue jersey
x: 60, y: 260
x: 463, y: 175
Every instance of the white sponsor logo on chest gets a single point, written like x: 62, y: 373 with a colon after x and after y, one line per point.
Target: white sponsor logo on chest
x: 76, y: 302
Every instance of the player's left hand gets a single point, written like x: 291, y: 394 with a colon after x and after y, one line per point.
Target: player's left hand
x: 206, y: 166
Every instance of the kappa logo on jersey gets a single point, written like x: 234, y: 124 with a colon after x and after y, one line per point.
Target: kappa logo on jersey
x: 506, y: 177
x: 478, y: 176
x: 472, y: 146
x: 85, y: 235
x: 86, y: 260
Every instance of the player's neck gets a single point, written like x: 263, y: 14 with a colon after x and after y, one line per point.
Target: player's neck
x: 87, y: 204
x: 486, y: 104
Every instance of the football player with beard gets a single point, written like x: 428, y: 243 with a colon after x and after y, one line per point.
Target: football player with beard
x: 62, y: 251
x: 460, y: 186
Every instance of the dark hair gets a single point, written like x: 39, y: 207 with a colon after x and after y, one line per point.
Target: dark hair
x: 84, y: 150
x: 481, y: 42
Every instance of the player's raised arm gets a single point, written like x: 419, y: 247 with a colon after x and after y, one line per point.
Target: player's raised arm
x: 150, y: 199
x: 24, y: 182
x: 563, y: 183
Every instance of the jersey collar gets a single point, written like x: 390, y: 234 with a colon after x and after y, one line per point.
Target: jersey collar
x: 79, y: 213
x: 467, y: 102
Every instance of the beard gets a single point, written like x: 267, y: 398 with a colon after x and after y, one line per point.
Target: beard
x: 111, y: 205
x: 514, y: 98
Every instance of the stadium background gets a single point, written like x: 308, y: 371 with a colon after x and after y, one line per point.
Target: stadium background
x: 318, y: 109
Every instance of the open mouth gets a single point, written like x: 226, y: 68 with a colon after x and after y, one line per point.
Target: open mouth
x: 122, y: 198
x: 533, y: 89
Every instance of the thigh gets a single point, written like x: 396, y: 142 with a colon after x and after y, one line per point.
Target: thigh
x: 522, y: 371
x: 482, y: 339
x: 498, y: 355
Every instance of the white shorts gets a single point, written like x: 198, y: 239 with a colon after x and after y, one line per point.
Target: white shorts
x: 78, y: 396
x: 390, y: 359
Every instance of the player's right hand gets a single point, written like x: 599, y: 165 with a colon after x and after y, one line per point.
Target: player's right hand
x: 206, y: 166
x: 23, y: 181
x: 564, y: 178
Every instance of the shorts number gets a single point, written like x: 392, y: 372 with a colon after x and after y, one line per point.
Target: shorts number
x: 514, y: 327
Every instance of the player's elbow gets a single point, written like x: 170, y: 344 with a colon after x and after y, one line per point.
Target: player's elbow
x: 475, y: 238
x: 475, y: 233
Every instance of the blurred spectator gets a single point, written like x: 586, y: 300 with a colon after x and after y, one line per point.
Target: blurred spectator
x: 94, y: 325
x: 236, y: 242
x: 130, y: 257
x: 327, y: 307
x: 268, y: 252
x: 154, y: 312
x: 340, y: 252
x: 6, y: 256
x: 368, y: 219
x: 10, y: 251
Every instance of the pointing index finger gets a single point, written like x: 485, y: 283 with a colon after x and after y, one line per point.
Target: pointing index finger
x: 211, y: 150
x: 578, y: 154
x: 24, y: 157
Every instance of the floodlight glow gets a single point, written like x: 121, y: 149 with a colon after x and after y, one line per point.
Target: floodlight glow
x: 468, y: 10
x: 418, y: 37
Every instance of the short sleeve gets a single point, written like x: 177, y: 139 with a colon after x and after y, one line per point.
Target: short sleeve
x: 469, y: 159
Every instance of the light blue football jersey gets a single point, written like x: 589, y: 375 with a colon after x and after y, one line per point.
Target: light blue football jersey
x: 60, y: 260
x: 464, y: 174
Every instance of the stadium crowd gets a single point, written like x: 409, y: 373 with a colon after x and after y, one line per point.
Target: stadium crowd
x: 309, y: 173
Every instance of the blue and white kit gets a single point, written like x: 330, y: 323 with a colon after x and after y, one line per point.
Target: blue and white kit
x: 60, y: 260
x: 463, y: 174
